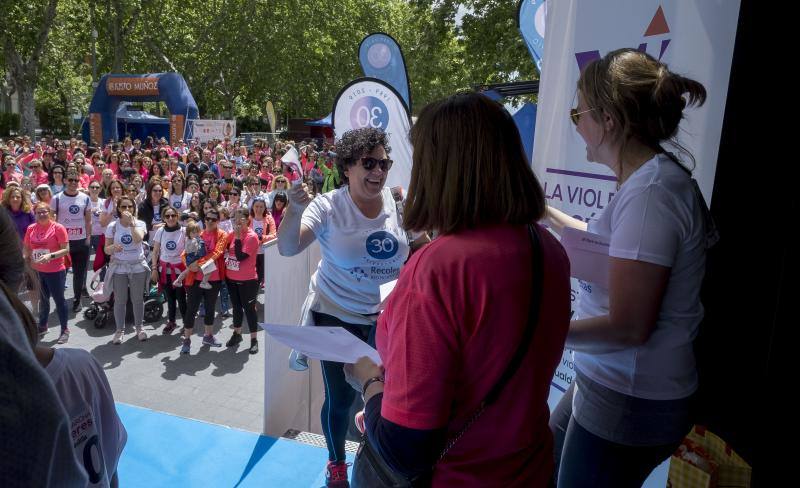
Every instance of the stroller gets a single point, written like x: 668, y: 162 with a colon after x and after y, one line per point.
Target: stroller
x: 102, y: 309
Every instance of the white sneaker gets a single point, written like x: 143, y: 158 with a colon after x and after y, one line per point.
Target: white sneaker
x: 205, y: 285
x: 141, y: 335
x: 118, y: 336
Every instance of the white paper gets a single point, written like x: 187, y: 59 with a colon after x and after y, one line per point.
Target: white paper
x: 386, y: 290
x: 326, y: 343
x: 588, y: 255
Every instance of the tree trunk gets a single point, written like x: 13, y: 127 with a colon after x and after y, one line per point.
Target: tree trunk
x: 27, y: 108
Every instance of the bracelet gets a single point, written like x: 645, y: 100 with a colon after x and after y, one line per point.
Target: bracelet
x: 368, y: 383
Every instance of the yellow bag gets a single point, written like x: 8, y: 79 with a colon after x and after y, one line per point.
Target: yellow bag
x: 731, y: 471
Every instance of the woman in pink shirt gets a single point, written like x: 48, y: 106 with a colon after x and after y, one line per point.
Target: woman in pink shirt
x: 241, y: 255
x: 38, y: 175
x: 44, y: 247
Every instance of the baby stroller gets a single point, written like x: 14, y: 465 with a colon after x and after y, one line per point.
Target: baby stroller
x: 101, y: 309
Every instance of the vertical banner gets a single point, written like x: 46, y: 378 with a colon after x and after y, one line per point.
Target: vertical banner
x: 96, y: 129
x: 176, y: 125
x: 369, y: 102
x: 271, y: 117
x: 694, y: 37
x: 531, y: 22
x: 382, y: 58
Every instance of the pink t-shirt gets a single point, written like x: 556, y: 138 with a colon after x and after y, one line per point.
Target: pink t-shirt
x: 40, y: 178
x: 449, y: 330
x: 242, y: 270
x: 46, y: 239
x: 210, y: 238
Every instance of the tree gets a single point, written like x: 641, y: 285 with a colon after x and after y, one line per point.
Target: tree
x: 23, y: 47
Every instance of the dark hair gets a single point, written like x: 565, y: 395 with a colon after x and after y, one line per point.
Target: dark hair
x: 356, y: 143
x: 119, y: 201
x: 279, y: 197
x: 643, y: 98
x: 470, y: 169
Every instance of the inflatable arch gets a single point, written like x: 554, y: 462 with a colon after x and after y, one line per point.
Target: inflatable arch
x: 169, y: 88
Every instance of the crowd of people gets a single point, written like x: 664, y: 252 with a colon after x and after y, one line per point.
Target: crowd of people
x: 137, y: 207
x: 470, y: 338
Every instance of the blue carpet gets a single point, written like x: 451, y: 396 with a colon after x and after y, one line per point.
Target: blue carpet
x: 165, y: 450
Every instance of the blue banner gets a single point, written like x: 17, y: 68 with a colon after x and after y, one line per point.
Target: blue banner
x: 530, y: 20
x: 381, y: 58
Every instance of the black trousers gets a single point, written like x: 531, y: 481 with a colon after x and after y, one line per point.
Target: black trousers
x: 79, y: 254
x: 209, y: 297
x: 243, y: 302
x: 174, y: 295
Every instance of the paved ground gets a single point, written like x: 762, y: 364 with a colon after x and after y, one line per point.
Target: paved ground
x: 219, y: 385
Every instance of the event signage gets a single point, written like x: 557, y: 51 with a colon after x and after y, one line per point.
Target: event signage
x: 126, y: 87
x: 382, y: 58
x: 370, y: 102
x: 205, y: 130
x: 693, y: 37
x: 531, y: 22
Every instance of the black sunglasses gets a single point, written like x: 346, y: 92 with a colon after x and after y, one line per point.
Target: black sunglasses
x: 73, y: 180
x: 369, y: 163
x: 211, y: 219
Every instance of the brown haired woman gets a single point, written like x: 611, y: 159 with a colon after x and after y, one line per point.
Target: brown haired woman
x: 633, y: 336
x: 451, y: 328
x: 44, y: 246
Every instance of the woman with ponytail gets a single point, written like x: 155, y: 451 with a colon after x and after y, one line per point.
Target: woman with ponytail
x: 628, y: 408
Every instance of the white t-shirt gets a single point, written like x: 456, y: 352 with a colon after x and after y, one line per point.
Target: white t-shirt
x: 358, y: 254
x: 131, y: 251
x: 172, y: 244
x: 97, y: 209
x: 98, y: 435
x: 180, y: 202
x: 71, y: 213
x: 656, y: 217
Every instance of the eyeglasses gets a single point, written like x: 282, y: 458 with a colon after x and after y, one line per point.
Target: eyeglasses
x: 234, y: 194
x: 157, y: 190
x: 171, y: 216
x: 73, y: 180
x: 575, y: 116
x: 43, y: 212
x: 211, y: 219
x: 369, y: 163
x: 94, y: 187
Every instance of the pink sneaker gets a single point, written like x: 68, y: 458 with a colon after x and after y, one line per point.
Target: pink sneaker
x: 336, y: 475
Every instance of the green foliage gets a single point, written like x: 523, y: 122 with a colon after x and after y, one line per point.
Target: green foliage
x: 237, y: 54
x: 8, y: 123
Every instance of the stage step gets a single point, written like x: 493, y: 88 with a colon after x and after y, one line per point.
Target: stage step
x: 316, y: 440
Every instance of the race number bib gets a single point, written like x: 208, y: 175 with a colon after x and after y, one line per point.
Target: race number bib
x: 38, y: 253
x: 231, y: 262
x: 75, y: 233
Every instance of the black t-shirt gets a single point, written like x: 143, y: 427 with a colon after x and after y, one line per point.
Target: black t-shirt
x: 198, y: 169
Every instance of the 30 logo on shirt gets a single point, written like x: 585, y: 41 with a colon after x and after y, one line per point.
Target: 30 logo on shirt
x: 171, y: 245
x: 126, y: 239
x: 382, y: 245
x: 74, y: 209
x: 176, y: 204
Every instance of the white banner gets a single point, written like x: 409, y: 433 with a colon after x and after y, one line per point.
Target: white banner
x: 369, y: 102
x: 205, y: 130
x: 694, y: 37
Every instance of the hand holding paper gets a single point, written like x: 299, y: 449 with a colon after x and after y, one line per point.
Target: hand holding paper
x: 324, y: 343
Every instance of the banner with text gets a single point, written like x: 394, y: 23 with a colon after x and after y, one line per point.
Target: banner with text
x: 205, y: 130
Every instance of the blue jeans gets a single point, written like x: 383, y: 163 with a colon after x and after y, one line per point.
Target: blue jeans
x: 52, y: 284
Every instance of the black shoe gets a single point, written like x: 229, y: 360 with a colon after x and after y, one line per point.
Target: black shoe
x: 76, y: 306
x: 234, y: 340
x: 253, y: 346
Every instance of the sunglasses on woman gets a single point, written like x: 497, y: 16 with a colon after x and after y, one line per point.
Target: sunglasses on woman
x: 575, y: 116
x: 369, y: 163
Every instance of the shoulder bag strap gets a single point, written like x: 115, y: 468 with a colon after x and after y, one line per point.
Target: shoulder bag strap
x: 524, y: 344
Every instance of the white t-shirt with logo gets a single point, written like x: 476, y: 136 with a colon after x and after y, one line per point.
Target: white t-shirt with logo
x: 98, y: 435
x: 358, y: 254
x: 172, y: 244
x: 655, y: 217
x: 97, y: 209
x: 180, y: 202
x: 131, y: 251
x: 71, y: 211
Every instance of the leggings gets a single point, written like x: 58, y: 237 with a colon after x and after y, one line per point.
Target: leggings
x: 52, y: 284
x: 243, y: 301
x: 260, y: 269
x: 123, y: 284
x: 193, y: 297
x: 339, y: 395
x: 79, y: 253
